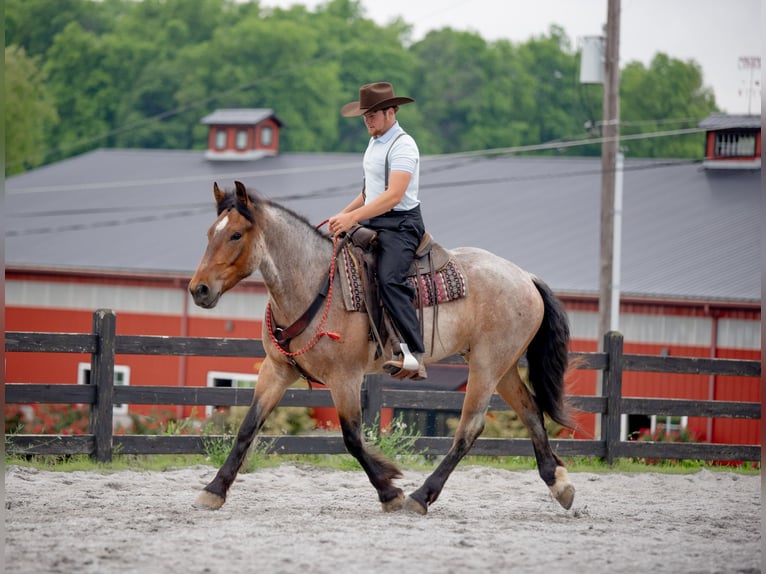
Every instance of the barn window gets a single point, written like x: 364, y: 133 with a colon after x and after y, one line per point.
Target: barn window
x: 220, y: 139
x: 634, y: 427
x: 241, y: 141
x: 267, y: 136
x: 121, y: 378
x: 228, y: 380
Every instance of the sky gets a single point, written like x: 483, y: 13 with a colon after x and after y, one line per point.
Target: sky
x: 714, y: 33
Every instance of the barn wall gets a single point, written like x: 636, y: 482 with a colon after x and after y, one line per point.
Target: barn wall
x: 246, y: 300
x: 663, y: 330
x: 62, y: 304
x: 675, y: 329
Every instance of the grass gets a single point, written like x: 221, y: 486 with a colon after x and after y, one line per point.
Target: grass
x: 625, y: 465
x: 259, y: 458
x: 395, y: 443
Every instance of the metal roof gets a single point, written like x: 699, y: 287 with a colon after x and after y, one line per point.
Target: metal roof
x: 239, y: 116
x: 686, y: 232
x: 727, y: 121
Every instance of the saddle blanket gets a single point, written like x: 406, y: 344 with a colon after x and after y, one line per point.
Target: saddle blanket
x: 446, y: 284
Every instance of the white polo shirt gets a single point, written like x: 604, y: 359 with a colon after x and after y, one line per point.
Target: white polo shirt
x: 403, y: 156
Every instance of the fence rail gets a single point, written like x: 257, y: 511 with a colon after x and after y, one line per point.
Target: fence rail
x: 103, y: 345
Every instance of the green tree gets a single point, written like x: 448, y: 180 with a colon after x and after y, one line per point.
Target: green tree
x: 141, y: 73
x: 669, y: 89
x: 29, y: 111
x: 274, y: 63
x: 451, y: 78
x: 552, y: 67
x: 34, y: 24
x: 86, y: 91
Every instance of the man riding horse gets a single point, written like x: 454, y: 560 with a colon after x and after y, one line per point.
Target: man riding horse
x: 389, y: 204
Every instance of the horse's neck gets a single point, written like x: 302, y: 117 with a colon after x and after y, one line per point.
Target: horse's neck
x: 295, y: 262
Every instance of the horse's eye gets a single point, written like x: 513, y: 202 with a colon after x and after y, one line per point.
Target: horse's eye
x: 236, y: 236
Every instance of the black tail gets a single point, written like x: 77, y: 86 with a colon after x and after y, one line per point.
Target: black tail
x: 548, y: 358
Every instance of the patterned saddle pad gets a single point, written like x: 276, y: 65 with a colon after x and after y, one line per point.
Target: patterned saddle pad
x: 446, y: 284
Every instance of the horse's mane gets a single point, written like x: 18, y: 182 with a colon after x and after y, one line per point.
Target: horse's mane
x: 230, y: 202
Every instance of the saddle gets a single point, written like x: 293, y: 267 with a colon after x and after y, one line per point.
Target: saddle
x: 435, y: 276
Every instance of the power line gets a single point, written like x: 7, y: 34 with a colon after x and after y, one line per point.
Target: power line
x: 477, y: 154
x: 558, y: 144
x: 193, y: 210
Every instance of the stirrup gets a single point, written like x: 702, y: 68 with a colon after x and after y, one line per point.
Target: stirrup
x: 394, y: 368
x: 407, y: 367
x: 409, y: 362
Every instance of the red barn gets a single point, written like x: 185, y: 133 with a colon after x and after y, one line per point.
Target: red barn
x: 124, y: 229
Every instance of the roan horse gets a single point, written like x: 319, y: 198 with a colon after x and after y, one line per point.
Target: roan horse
x: 506, y: 312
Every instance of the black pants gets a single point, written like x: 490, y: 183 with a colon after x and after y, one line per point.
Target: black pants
x: 399, y: 234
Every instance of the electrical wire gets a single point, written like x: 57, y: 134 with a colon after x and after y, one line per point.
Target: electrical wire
x: 165, y: 212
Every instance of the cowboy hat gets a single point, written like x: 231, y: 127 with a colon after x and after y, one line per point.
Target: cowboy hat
x: 374, y: 97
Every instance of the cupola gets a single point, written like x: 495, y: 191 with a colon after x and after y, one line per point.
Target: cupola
x: 242, y: 134
x: 732, y: 141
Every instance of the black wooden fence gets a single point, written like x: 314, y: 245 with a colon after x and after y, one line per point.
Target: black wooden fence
x: 103, y: 345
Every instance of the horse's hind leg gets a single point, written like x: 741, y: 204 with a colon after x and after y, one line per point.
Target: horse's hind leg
x: 551, y: 468
x: 272, y: 382
x: 380, y: 471
x: 472, y: 417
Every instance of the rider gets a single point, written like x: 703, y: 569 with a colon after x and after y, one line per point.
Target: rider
x: 389, y: 204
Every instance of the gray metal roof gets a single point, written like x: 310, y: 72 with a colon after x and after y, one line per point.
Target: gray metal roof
x: 687, y: 233
x: 727, y: 121
x: 239, y: 116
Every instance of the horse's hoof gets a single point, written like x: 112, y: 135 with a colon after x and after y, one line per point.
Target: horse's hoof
x: 563, y: 490
x: 413, y: 506
x: 395, y: 504
x: 208, y: 501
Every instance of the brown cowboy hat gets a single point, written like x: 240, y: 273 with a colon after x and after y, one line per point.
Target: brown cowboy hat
x: 374, y: 97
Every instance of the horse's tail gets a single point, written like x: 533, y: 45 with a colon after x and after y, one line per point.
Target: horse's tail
x: 548, y: 358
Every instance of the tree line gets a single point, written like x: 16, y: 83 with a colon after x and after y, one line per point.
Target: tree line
x: 86, y: 74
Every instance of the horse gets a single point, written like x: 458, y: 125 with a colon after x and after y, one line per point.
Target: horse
x: 505, y: 313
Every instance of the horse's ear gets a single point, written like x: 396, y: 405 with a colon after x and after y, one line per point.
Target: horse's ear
x: 217, y: 193
x: 241, y: 191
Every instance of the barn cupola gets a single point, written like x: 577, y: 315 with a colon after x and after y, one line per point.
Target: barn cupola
x: 732, y: 142
x: 242, y: 134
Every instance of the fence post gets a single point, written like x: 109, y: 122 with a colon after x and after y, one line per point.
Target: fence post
x: 612, y: 389
x: 373, y: 385
x: 102, y: 375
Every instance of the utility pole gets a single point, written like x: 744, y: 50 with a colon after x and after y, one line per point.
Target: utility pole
x: 609, y: 150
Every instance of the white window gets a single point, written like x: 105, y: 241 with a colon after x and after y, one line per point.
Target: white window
x: 241, y: 142
x: 220, y: 139
x: 121, y: 378
x: 231, y: 380
x: 633, y: 427
x: 267, y: 135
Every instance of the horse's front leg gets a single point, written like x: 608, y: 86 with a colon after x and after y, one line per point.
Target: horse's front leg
x: 380, y: 470
x: 273, y: 380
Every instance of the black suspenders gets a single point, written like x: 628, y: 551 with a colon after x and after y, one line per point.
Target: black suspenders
x: 364, y: 186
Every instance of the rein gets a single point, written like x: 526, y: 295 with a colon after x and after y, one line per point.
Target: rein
x: 282, y: 337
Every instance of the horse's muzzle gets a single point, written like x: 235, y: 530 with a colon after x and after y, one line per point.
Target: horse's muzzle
x: 203, y: 297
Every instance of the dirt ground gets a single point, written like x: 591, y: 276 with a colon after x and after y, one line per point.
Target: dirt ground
x: 297, y: 518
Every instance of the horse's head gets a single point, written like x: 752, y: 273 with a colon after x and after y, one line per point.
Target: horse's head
x: 229, y: 256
